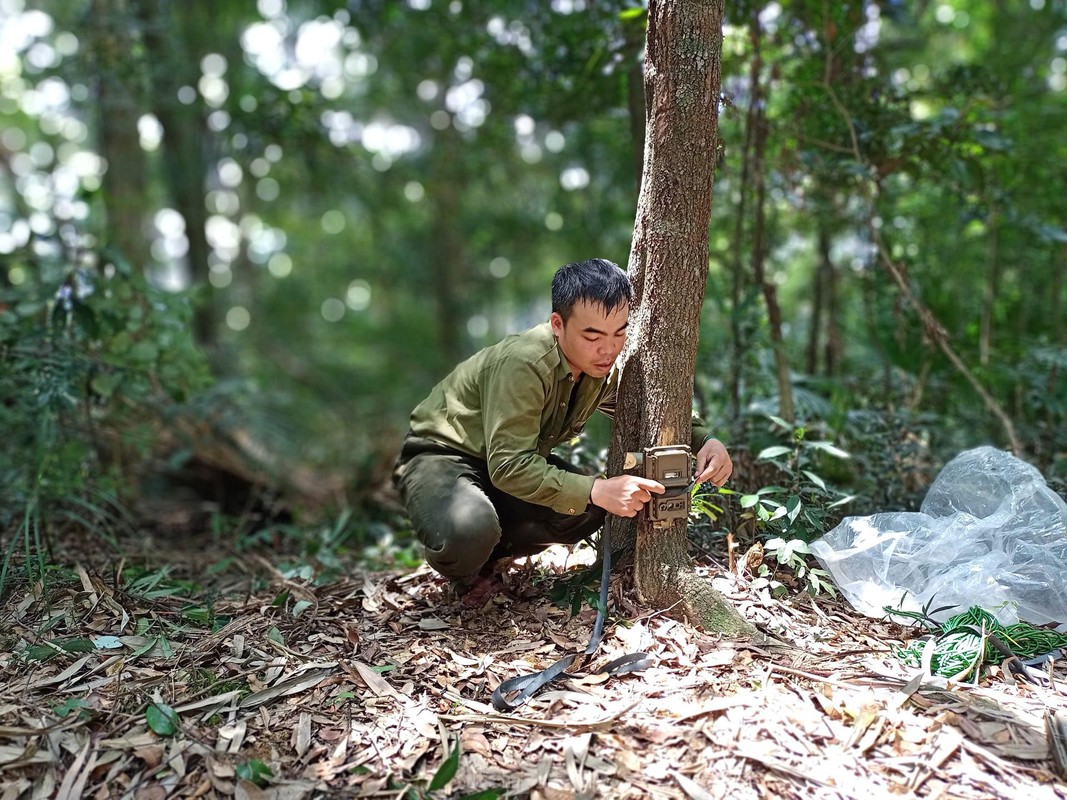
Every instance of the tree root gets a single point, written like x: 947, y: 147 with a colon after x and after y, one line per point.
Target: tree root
x: 664, y: 577
x: 680, y: 589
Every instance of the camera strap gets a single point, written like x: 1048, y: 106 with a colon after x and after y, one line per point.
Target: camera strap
x: 513, y: 692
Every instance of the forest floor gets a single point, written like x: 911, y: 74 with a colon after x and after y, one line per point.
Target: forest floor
x: 206, y: 672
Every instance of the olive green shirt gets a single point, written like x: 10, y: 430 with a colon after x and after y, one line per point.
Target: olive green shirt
x: 510, y: 404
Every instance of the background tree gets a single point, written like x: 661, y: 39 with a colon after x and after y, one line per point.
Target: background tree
x: 120, y: 92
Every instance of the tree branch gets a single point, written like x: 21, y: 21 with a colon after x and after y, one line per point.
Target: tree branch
x: 931, y: 325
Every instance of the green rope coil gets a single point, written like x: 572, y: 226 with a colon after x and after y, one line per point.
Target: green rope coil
x: 957, y: 642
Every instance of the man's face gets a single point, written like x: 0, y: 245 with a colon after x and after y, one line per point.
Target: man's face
x: 592, y: 338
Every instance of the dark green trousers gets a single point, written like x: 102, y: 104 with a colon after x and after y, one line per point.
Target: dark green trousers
x: 464, y: 522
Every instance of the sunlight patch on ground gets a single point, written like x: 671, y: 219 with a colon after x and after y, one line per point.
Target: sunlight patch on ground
x: 559, y: 557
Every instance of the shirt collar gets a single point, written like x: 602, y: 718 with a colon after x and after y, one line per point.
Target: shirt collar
x: 564, y: 371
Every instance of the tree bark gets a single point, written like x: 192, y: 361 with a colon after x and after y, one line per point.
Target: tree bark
x: 738, y: 331
x: 186, y: 139
x: 818, y: 290
x: 989, y: 290
x: 669, y: 267
x: 835, y: 343
x: 1056, y: 297
x: 450, y: 268
x: 758, y: 115
x: 870, y: 317
x: 635, y: 100
x: 118, y: 102
x: 825, y: 313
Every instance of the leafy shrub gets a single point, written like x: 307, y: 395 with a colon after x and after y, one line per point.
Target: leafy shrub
x: 782, y: 501
x: 1040, y: 381
x: 794, y: 556
x: 892, y: 456
x: 806, y: 506
x: 89, y: 356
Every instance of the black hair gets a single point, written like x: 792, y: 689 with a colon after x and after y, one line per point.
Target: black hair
x: 596, y: 281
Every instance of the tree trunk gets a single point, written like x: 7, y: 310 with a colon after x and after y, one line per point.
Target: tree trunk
x: 450, y: 270
x: 989, y: 291
x: 1056, y: 297
x: 835, y: 343
x: 186, y: 141
x: 669, y: 266
x: 870, y: 318
x: 125, y: 181
x: 738, y: 331
x: 825, y: 314
x: 635, y: 99
x: 758, y: 114
x: 818, y: 291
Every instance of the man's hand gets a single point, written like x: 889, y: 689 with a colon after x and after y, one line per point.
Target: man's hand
x: 713, y: 463
x: 624, y: 495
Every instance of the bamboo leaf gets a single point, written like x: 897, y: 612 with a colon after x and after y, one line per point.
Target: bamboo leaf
x: 842, y: 501
x: 829, y: 448
x: 773, y: 452
x: 815, y: 479
x: 793, y: 506
x: 781, y: 423
x: 447, y: 771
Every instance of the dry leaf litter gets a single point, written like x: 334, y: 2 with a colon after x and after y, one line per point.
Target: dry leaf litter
x: 362, y: 687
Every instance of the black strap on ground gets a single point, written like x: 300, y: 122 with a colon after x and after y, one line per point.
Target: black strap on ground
x: 512, y: 693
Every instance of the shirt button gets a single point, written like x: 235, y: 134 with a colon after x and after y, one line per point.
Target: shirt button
x: 562, y: 405
x: 571, y: 510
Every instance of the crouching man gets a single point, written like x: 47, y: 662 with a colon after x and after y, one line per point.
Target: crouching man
x: 476, y: 471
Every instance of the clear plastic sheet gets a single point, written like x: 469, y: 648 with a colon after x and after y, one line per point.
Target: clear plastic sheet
x: 990, y: 533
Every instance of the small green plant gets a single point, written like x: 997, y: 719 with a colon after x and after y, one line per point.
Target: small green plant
x: 389, y: 551
x: 254, y: 771
x: 77, y: 706
x: 805, y: 508
x: 154, y: 583
x: 342, y: 698
x: 579, y: 587
x: 705, y: 504
x: 50, y: 649
x: 789, y: 515
x: 203, y: 613
x: 440, y: 780
x: 793, y: 555
x: 576, y: 590
x: 323, y: 552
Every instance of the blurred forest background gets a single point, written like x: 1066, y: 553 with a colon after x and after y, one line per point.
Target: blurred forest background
x: 240, y: 241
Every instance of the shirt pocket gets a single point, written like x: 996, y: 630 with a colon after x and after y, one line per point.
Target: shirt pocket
x: 553, y: 420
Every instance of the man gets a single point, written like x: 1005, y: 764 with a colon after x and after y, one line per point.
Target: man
x: 476, y: 471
